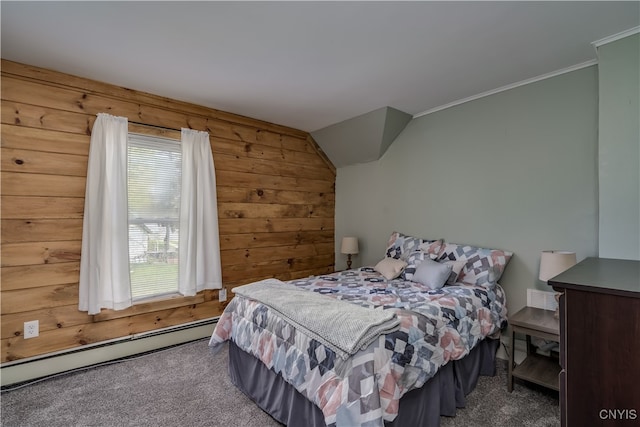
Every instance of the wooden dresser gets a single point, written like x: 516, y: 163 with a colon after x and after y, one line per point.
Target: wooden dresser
x: 600, y: 343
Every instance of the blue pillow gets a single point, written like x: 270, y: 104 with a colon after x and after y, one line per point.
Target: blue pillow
x: 432, y: 274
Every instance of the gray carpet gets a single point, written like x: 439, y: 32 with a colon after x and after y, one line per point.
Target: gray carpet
x: 490, y: 404
x: 187, y: 386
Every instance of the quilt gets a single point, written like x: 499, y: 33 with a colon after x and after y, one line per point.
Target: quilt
x: 343, y: 327
x: 436, y: 326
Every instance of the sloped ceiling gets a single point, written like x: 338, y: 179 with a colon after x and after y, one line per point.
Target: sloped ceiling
x: 310, y: 65
x: 361, y: 139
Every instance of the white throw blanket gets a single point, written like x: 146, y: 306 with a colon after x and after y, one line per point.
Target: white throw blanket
x: 343, y: 327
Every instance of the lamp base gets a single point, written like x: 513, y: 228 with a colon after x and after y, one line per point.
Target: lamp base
x: 348, y: 261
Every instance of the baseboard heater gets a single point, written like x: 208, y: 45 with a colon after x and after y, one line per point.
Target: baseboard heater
x: 44, y: 365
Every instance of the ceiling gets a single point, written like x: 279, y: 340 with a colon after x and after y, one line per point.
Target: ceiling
x: 310, y: 65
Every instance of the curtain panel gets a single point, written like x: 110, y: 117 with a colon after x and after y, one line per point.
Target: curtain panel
x: 199, y: 253
x: 104, y: 263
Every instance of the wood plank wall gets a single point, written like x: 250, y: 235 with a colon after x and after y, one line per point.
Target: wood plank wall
x: 275, y: 202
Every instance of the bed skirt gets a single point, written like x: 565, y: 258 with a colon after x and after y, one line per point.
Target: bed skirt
x: 422, y: 407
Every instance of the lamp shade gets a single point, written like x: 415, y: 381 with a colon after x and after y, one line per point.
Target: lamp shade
x: 553, y: 263
x: 349, y: 245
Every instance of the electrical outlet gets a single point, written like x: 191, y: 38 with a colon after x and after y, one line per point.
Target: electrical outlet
x: 222, y: 294
x: 541, y: 299
x: 31, y: 329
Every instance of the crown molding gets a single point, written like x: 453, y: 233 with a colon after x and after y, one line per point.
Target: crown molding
x: 626, y: 33
x: 510, y: 86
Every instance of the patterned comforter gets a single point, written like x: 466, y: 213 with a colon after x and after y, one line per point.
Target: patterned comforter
x: 436, y: 326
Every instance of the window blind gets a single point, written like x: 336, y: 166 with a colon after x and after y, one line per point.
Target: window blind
x: 154, y: 177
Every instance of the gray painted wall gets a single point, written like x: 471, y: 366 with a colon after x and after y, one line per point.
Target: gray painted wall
x: 361, y: 139
x: 619, y: 148
x: 516, y: 170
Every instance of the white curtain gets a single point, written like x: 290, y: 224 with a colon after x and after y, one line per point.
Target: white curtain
x: 199, y: 247
x: 104, y: 263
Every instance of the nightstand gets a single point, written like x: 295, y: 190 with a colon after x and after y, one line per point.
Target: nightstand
x: 536, y: 368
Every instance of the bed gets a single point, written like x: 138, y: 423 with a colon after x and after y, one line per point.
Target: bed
x: 420, y: 353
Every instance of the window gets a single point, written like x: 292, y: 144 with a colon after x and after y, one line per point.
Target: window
x: 141, y: 230
x: 153, y: 186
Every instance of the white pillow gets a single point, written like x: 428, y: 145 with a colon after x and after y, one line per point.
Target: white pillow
x: 390, y: 268
x: 432, y: 274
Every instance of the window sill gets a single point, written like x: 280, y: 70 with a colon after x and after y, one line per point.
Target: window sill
x: 150, y: 305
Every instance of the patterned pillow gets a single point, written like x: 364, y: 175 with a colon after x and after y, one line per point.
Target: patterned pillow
x: 483, y: 266
x: 414, y: 259
x: 400, y: 246
x: 432, y: 247
x: 456, y: 269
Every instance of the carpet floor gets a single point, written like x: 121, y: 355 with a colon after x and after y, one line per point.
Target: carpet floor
x: 188, y: 386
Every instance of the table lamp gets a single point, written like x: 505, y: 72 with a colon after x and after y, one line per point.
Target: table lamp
x: 349, y: 247
x: 553, y: 263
